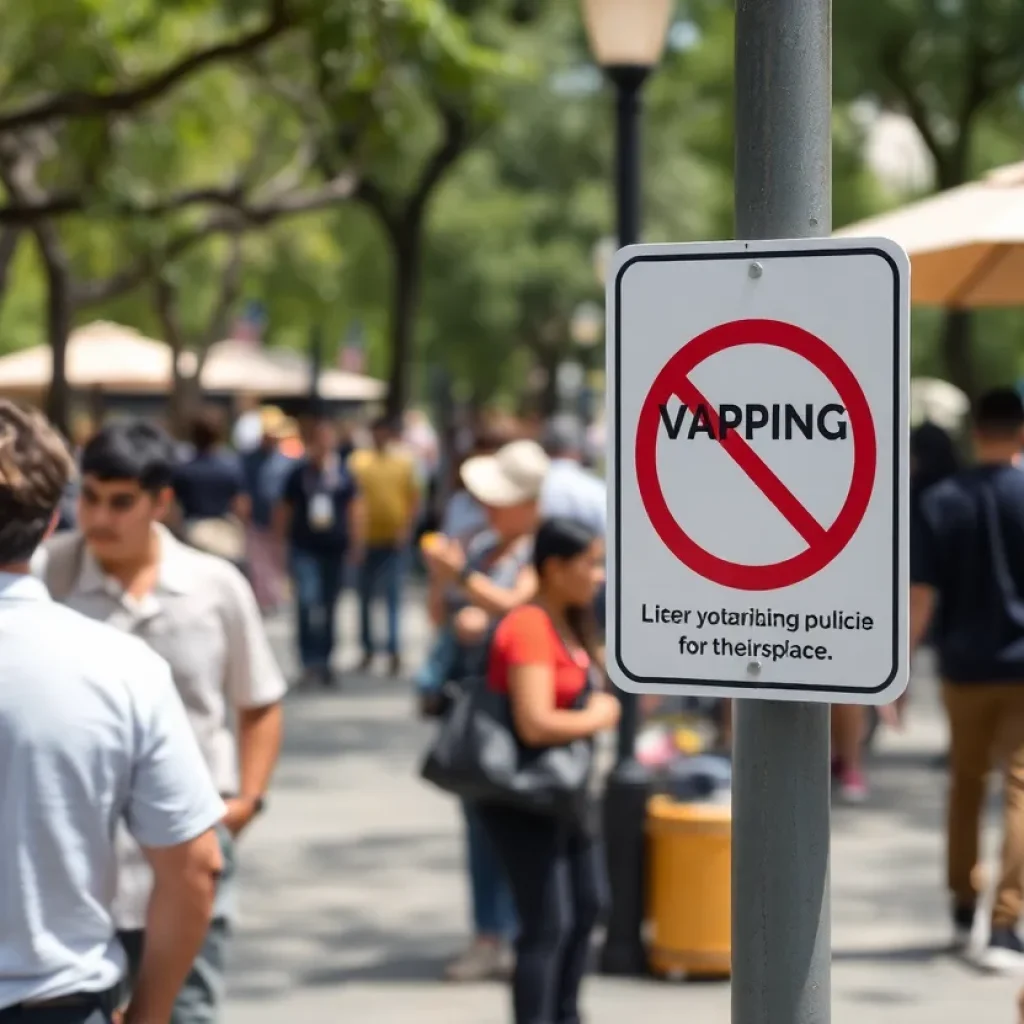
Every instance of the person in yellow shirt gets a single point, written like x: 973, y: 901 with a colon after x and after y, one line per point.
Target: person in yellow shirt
x: 386, y: 474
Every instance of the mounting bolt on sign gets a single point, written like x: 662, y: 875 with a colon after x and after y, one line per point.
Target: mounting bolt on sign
x: 758, y: 396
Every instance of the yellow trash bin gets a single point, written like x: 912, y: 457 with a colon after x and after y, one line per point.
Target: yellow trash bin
x: 689, y: 903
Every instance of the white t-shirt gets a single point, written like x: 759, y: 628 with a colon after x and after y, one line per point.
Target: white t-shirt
x: 92, y: 733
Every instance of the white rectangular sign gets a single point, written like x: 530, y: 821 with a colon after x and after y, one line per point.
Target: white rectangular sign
x: 758, y: 422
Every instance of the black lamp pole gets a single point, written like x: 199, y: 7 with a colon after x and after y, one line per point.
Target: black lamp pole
x: 629, y: 784
x: 316, y: 365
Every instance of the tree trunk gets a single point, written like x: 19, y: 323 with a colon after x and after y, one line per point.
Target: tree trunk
x: 9, y: 239
x: 406, y: 254
x: 59, y: 316
x: 548, y: 400
x: 956, y: 351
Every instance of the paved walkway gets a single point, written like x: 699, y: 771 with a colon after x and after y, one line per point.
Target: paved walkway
x: 354, y: 896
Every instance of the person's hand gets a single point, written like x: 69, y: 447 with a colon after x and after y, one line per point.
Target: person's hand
x: 431, y: 704
x: 605, y: 708
x: 240, y: 812
x: 445, y: 560
x: 471, y: 625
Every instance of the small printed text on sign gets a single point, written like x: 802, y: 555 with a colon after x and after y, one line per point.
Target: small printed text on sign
x: 808, y: 640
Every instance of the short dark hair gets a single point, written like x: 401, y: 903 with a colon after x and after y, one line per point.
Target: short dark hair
x: 562, y: 436
x: 206, y: 429
x: 999, y: 413
x: 131, y: 450
x: 35, y: 467
x: 385, y: 424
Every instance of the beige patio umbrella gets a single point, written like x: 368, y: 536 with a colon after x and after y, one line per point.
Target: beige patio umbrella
x: 966, y: 245
x: 343, y: 386
x: 240, y: 366
x: 100, y: 355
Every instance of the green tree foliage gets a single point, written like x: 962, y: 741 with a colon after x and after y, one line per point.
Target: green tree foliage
x: 162, y: 160
x: 956, y: 68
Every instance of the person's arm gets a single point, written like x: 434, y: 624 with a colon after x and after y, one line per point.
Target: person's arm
x: 529, y: 649
x: 177, y: 920
x: 414, y: 494
x: 436, y: 607
x: 284, y: 508
x: 483, y: 592
x: 255, y: 688
x: 922, y: 611
x: 357, y: 528
x: 241, y: 503
x: 925, y: 577
x: 259, y: 744
x: 171, y: 809
x: 241, y: 506
x: 926, y: 570
x: 448, y: 562
x: 538, y: 720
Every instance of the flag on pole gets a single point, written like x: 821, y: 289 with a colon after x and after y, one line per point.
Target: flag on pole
x: 352, y: 354
x: 250, y: 324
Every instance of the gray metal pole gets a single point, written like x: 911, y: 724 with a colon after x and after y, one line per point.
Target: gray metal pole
x: 781, y: 934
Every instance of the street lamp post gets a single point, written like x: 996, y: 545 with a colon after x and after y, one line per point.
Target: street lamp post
x: 585, y: 329
x: 627, y: 38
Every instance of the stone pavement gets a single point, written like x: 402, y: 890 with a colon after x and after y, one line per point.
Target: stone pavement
x: 353, y: 893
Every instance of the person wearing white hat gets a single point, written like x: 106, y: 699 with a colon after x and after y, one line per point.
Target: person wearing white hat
x: 471, y: 589
x: 512, y: 478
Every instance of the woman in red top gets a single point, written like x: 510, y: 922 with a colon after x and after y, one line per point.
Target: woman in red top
x: 541, y: 657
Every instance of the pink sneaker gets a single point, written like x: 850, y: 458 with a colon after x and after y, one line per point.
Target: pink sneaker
x: 853, y: 787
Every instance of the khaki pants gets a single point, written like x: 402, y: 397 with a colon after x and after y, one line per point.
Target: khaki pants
x: 986, y: 730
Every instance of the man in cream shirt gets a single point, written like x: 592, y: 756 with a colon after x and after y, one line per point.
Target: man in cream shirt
x: 199, y: 613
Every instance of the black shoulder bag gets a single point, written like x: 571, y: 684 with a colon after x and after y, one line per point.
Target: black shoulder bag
x: 477, y: 756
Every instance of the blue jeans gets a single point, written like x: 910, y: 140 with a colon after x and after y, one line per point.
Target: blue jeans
x: 381, y: 570
x: 317, y: 578
x: 493, y: 907
x: 440, y: 664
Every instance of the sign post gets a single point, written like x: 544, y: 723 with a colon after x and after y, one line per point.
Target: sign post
x: 782, y: 916
x: 758, y: 417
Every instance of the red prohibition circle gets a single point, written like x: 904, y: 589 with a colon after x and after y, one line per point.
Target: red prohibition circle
x: 823, y: 544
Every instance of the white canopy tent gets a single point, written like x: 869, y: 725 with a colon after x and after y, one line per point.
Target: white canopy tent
x: 115, y: 359
x: 100, y: 354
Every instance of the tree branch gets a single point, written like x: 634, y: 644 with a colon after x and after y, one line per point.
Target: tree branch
x: 164, y: 301
x: 454, y: 142
x: 18, y: 173
x: 370, y: 193
x: 9, y: 239
x: 230, y: 289
x: 64, y: 203
x: 99, y: 104
x: 892, y: 67
x: 290, y: 203
x: 232, y: 219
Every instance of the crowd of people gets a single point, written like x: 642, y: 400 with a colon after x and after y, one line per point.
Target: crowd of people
x: 139, y: 748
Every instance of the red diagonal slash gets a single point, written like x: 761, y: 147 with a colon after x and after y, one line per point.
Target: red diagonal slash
x: 755, y: 467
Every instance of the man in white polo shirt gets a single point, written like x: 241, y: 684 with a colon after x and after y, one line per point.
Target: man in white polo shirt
x: 92, y: 733
x: 198, y: 612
